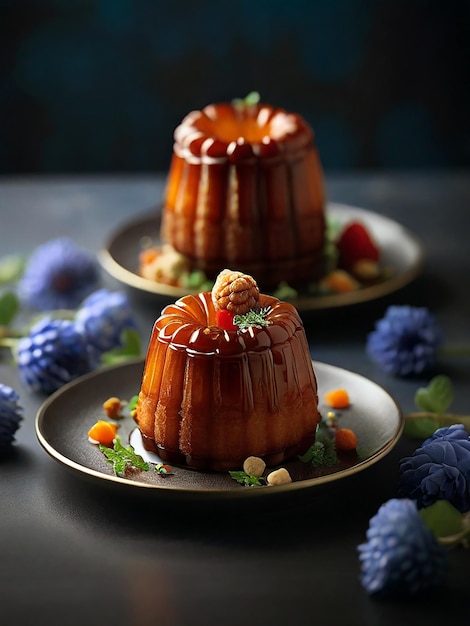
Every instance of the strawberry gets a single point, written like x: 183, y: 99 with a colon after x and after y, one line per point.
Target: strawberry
x: 224, y: 319
x: 354, y: 244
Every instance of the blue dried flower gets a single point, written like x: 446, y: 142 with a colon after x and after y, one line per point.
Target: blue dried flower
x: 58, y: 275
x: 401, y: 555
x: 101, y: 319
x: 455, y: 433
x: 405, y: 341
x: 11, y: 414
x: 439, y: 470
x: 54, y: 353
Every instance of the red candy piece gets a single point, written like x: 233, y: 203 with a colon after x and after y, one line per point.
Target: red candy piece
x: 224, y: 319
x: 354, y: 244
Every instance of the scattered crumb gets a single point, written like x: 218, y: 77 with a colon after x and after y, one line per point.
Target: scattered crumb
x: 254, y: 466
x: 279, y: 477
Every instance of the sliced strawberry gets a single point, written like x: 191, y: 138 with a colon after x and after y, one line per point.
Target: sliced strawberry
x: 354, y: 244
x: 224, y: 319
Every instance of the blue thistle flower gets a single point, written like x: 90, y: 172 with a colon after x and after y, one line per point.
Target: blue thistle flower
x: 101, y: 319
x: 401, y: 555
x: 11, y: 414
x: 439, y: 469
x: 54, y: 353
x: 58, y: 275
x: 405, y: 341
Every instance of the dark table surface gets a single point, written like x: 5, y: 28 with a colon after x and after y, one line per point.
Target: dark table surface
x: 74, y: 551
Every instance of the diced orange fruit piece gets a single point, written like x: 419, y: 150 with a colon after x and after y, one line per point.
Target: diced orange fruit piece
x: 339, y: 281
x: 337, y: 398
x: 345, y: 439
x: 103, y: 432
x: 148, y: 256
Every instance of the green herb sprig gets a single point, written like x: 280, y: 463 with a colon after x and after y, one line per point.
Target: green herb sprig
x: 123, y: 457
x: 247, y: 479
x: 132, y: 405
x: 249, y: 100
x: 252, y: 318
x: 322, y: 452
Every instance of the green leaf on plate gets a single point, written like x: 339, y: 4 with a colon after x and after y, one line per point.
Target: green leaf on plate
x: 437, y: 396
x: 122, y: 457
x: 247, y: 479
x: 322, y: 452
x: 132, y: 404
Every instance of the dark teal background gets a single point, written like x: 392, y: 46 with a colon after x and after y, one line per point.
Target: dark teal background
x: 99, y: 85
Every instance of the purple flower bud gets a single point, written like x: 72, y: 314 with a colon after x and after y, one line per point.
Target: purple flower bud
x: 54, y: 353
x: 101, y: 319
x: 401, y: 555
x: 58, y: 275
x: 439, y: 470
x: 405, y: 341
x: 11, y: 414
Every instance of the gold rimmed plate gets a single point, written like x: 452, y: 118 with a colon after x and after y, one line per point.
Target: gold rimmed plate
x: 401, y: 251
x: 64, y: 419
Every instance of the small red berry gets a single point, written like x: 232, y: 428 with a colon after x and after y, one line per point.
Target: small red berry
x: 354, y: 244
x: 224, y: 319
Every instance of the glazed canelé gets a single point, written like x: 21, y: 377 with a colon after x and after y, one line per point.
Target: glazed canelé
x: 246, y: 189
x: 211, y: 397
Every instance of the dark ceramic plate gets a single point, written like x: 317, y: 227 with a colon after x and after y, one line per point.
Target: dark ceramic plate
x: 63, y: 421
x: 400, y: 250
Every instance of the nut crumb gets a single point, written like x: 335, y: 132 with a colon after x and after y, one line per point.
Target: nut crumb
x: 254, y: 466
x: 112, y: 407
x: 279, y: 477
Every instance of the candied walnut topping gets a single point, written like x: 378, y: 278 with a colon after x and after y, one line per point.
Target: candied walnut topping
x: 235, y: 291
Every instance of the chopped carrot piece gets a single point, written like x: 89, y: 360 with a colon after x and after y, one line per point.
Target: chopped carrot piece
x: 148, y: 255
x: 345, y: 439
x: 103, y: 432
x: 337, y: 398
x: 339, y: 281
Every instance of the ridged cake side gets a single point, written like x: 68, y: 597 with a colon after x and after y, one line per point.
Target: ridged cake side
x: 210, y: 398
x: 252, y: 201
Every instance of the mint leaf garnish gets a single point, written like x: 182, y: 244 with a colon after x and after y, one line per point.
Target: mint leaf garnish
x: 252, y: 318
x: 123, y: 457
x: 437, y: 396
x: 322, y: 452
x: 247, y: 479
x: 249, y: 100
